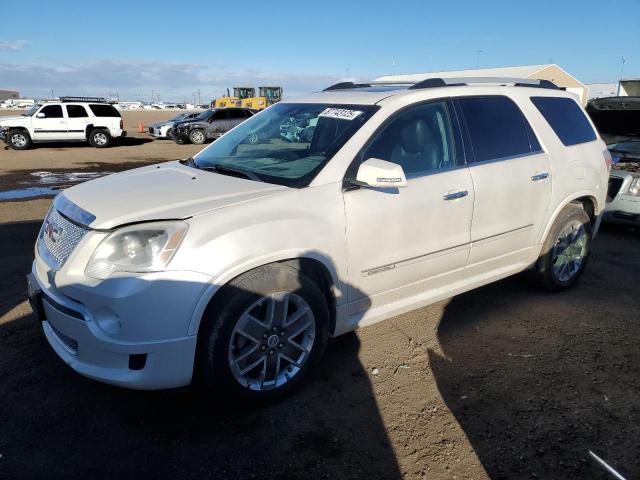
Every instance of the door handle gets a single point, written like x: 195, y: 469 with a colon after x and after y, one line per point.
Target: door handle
x: 455, y: 195
x: 539, y: 176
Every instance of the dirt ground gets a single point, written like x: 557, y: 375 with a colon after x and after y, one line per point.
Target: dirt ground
x: 503, y: 382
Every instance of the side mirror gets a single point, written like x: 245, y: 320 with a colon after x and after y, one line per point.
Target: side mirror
x: 378, y: 173
x: 40, y: 115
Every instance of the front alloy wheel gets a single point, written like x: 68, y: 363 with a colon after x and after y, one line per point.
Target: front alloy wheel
x: 263, y: 334
x: 271, y: 341
x: 18, y: 139
x: 197, y: 137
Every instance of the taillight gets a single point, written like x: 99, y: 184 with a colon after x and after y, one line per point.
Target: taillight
x: 607, y: 159
x: 121, y: 124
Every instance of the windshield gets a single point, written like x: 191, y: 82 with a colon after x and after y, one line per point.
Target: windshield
x: 31, y: 111
x: 287, y: 143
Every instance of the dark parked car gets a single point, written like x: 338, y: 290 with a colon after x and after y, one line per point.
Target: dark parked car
x: 210, y: 124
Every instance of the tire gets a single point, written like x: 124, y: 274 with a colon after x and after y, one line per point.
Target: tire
x: 197, y: 136
x: 566, y: 250
x: 99, y: 138
x: 220, y: 345
x: 18, y: 139
x: 179, y: 140
x: 169, y: 134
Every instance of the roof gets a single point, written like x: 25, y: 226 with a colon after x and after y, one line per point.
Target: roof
x: 355, y: 96
x: 524, y: 71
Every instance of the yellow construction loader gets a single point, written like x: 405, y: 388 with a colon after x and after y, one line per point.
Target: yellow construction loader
x: 239, y: 95
x: 268, y: 96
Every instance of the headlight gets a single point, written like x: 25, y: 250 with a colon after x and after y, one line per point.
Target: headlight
x: 634, y: 188
x: 138, y: 248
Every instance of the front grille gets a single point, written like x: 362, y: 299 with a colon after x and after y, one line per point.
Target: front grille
x: 151, y: 130
x: 70, y: 343
x: 59, y: 236
x: 614, y: 187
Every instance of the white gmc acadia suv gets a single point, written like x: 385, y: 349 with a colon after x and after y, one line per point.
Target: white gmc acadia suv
x: 316, y: 216
x: 72, y: 119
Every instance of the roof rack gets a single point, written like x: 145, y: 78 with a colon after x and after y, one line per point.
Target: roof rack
x: 459, y: 81
x: 83, y: 99
x: 345, y: 86
x: 450, y: 82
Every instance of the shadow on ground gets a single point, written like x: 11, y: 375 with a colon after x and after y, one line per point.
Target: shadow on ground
x: 533, y: 396
x: 55, y: 423
x: 116, y: 142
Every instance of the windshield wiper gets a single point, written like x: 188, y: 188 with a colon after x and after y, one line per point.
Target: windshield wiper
x: 189, y: 162
x: 222, y: 169
x: 234, y: 172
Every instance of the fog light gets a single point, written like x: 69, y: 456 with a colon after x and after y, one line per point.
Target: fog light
x: 137, y: 361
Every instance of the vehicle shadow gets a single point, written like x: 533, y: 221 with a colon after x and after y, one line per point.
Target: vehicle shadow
x: 534, y: 396
x: 116, y: 142
x: 55, y: 423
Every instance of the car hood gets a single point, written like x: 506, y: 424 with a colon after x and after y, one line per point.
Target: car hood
x: 11, y: 119
x: 157, y: 192
x: 159, y: 124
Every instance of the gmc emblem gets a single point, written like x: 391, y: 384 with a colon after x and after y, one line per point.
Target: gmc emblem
x: 52, y: 231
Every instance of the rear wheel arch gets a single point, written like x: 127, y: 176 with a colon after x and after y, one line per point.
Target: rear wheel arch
x: 590, y: 205
x: 587, y: 202
x: 87, y: 130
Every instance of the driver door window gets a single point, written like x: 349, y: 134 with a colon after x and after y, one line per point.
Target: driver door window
x: 419, y: 139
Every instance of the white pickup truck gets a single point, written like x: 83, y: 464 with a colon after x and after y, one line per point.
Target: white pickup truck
x: 72, y: 119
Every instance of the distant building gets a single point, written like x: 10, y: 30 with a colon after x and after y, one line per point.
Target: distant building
x: 9, y: 95
x: 627, y: 88
x: 550, y: 71
x: 630, y: 88
x: 601, y: 90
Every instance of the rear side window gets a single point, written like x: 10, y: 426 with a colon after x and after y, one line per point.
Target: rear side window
x: 76, y: 111
x: 104, y: 110
x: 236, y: 114
x: 566, y: 118
x: 497, y: 128
x: 52, y: 111
x: 219, y: 115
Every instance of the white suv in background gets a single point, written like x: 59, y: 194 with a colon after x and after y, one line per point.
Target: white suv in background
x: 236, y: 266
x: 72, y: 119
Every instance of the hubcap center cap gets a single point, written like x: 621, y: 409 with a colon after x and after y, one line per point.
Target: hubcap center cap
x: 272, y: 341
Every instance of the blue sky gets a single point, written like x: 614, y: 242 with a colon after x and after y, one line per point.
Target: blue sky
x: 136, y: 47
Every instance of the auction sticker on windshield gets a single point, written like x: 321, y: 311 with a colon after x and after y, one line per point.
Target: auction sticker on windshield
x: 340, y: 113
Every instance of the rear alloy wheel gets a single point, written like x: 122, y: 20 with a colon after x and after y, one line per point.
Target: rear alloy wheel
x: 99, y: 138
x: 18, y: 139
x: 566, y: 249
x: 197, y: 137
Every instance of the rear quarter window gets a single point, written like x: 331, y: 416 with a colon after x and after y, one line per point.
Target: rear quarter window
x: 104, y: 111
x: 497, y: 128
x: 566, y: 119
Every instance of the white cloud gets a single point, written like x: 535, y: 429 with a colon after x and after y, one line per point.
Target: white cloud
x: 14, y: 46
x: 172, y: 80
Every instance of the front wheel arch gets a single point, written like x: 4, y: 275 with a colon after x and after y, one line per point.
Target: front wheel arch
x: 213, y: 370
x: 313, y: 268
